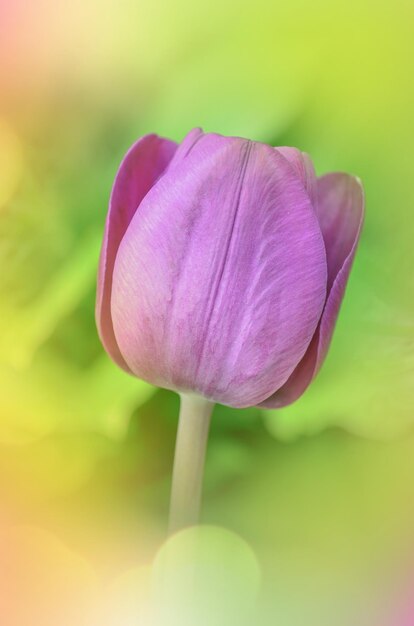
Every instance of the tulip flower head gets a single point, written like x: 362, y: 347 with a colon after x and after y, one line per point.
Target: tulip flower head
x: 224, y: 265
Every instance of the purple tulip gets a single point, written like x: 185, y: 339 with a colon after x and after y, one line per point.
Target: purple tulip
x: 224, y: 265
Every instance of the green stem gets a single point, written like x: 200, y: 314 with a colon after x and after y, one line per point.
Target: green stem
x: 190, y: 451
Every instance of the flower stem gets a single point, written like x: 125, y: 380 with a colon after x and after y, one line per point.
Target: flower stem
x: 190, y: 451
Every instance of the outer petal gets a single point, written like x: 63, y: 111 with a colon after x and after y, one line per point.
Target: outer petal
x: 185, y: 147
x: 303, y: 166
x: 340, y: 210
x: 146, y: 160
x: 220, y: 280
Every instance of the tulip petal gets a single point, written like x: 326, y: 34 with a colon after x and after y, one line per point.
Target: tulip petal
x: 185, y: 147
x: 145, y: 161
x: 220, y: 279
x: 303, y: 167
x: 340, y: 211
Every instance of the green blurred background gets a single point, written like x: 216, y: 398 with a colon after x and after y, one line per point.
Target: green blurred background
x: 317, y: 499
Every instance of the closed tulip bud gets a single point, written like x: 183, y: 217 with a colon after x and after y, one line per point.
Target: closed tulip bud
x: 223, y: 267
